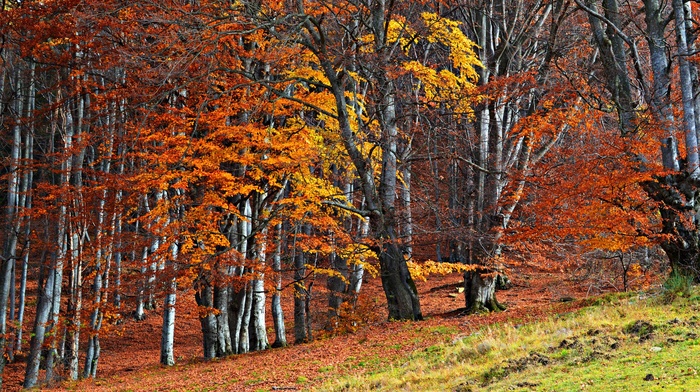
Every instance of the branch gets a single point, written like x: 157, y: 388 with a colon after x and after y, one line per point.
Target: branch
x: 606, y: 20
x: 346, y: 207
x: 282, y: 94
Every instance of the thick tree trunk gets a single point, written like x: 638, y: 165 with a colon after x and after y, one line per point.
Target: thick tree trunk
x: 258, y: 331
x: 680, y: 203
x: 684, y: 256
x: 399, y: 288
x: 203, y: 297
x: 380, y: 198
x: 676, y: 193
x: 222, y: 328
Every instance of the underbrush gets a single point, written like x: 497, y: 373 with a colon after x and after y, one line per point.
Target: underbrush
x: 621, y: 342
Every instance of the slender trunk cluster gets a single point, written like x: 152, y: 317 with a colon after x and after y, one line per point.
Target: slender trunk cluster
x: 234, y: 296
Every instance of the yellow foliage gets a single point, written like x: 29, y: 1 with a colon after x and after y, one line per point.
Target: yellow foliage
x: 423, y: 270
x: 358, y: 254
x: 455, y: 86
x: 448, y: 33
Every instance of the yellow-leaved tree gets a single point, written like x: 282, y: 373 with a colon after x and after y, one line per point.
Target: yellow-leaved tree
x: 358, y: 65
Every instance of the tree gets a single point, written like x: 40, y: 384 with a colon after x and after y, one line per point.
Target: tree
x: 473, y: 167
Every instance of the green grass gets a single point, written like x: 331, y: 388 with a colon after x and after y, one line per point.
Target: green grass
x: 626, y: 342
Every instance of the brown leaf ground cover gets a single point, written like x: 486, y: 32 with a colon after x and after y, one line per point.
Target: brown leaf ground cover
x: 130, y: 356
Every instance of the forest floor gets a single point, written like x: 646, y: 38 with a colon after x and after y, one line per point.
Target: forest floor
x: 129, y: 359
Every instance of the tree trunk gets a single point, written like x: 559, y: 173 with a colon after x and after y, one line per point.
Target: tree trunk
x: 679, y: 202
x: 224, y: 346
x: 676, y: 192
x: 357, y: 270
x: 246, y: 315
x: 140, y: 311
x: 203, y: 297
x: 236, y: 312
x: 12, y: 228
x: 686, y: 81
x: 337, y: 287
x: 301, y: 293
x: 401, y: 294
x: 258, y: 245
x: 399, y: 288
x: 277, y: 313
x: 258, y: 331
x: 74, y: 309
x: 167, y: 355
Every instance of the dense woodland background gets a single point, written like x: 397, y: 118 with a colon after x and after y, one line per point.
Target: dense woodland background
x: 244, y: 149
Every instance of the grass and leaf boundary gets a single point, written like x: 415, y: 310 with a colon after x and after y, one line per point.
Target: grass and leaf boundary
x: 617, y: 342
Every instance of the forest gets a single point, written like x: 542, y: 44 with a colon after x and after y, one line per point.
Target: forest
x: 240, y: 152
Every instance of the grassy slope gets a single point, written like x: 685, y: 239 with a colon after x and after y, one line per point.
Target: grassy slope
x: 618, y: 343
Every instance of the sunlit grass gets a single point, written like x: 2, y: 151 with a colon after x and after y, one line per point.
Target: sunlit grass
x: 619, y: 343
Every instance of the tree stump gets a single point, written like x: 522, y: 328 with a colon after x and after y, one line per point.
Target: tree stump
x: 480, y: 290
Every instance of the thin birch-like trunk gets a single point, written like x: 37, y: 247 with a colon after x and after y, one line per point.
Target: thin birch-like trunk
x: 102, y: 255
x: 258, y: 330
x: 277, y: 313
x: 686, y: 81
x: 301, y: 292
x: 240, y: 313
x: 26, y: 202
x: 167, y: 354
x: 78, y: 232
x: 12, y: 222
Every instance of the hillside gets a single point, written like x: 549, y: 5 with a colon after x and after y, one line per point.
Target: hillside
x: 618, y: 342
